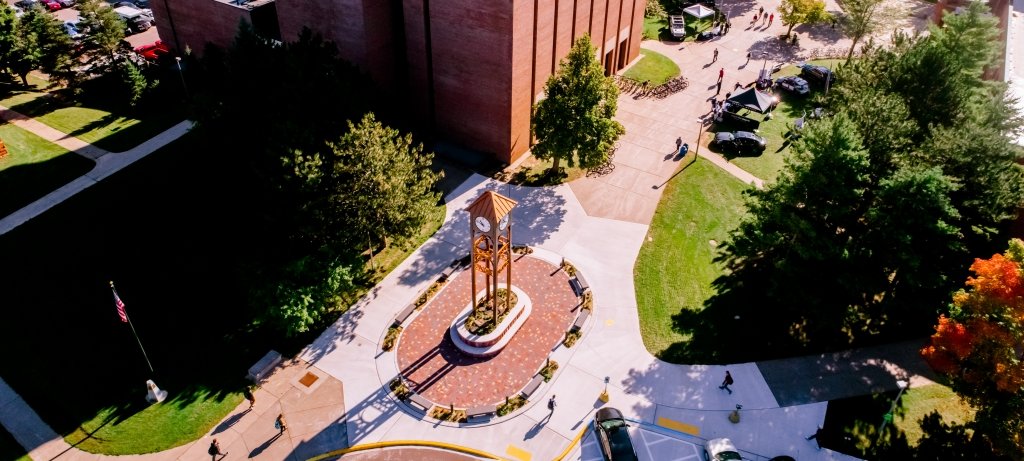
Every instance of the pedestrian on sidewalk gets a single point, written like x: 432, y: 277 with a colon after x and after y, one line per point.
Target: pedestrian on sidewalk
x: 816, y: 436
x: 715, y: 57
x: 551, y: 403
x: 215, y: 450
x: 771, y: 18
x: 718, y: 88
x: 250, y: 397
x: 764, y: 19
x: 748, y: 58
x: 721, y: 74
x: 727, y: 382
x: 760, y: 11
x: 679, y: 142
x: 753, y: 21
x: 279, y: 424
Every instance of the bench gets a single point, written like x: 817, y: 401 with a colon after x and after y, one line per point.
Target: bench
x: 579, y: 285
x: 580, y: 320
x: 263, y: 368
x: 420, y: 401
x: 448, y: 271
x: 404, y: 315
x: 532, y: 387
x: 481, y: 412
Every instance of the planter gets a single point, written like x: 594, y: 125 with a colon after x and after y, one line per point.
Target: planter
x: 491, y: 343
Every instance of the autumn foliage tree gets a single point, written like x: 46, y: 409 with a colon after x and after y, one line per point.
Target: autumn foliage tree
x: 979, y: 347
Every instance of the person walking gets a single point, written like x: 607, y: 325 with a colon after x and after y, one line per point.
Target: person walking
x: 764, y: 19
x: 718, y: 87
x: 760, y: 11
x: 753, y: 21
x: 715, y: 56
x: 279, y: 424
x: 727, y: 382
x: 679, y: 142
x: 816, y: 436
x: 771, y: 18
x: 721, y: 74
x: 748, y: 58
x: 215, y: 450
x: 551, y: 403
x: 250, y: 397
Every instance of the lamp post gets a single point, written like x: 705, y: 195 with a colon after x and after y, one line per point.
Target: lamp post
x: 903, y: 385
x: 177, y: 60
x: 700, y: 132
x: 604, y: 395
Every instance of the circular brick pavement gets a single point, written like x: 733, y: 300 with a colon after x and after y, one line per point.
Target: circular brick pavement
x: 434, y: 368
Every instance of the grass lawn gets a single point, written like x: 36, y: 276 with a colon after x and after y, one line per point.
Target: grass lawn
x: 920, y: 401
x: 653, y: 67
x: 33, y: 168
x: 674, y: 270
x: 852, y: 424
x: 768, y: 165
x: 114, y: 132
x: 10, y: 449
x: 656, y: 29
x: 177, y: 240
x: 535, y: 172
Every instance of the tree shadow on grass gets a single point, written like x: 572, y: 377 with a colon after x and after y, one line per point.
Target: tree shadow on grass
x: 23, y: 184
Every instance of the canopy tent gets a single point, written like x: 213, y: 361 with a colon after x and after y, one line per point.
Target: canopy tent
x: 699, y: 11
x: 753, y: 99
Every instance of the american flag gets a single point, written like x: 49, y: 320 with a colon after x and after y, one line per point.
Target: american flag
x: 120, y: 307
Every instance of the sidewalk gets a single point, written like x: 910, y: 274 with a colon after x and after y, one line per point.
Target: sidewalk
x: 107, y: 163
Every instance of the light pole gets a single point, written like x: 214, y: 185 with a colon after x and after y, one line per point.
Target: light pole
x: 903, y: 385
x: 177, y: 60
x: 700, y: 132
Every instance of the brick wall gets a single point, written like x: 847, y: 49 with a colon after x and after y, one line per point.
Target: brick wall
x: 197, y: 22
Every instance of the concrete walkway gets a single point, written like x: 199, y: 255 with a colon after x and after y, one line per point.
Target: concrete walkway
x: 107, y: 163
x: 599, y: 224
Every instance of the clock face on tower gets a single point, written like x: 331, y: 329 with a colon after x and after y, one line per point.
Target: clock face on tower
x: 503, y: 223
x: 483, y: 224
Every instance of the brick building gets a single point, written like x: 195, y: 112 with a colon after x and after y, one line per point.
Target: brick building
x: 469, y: 70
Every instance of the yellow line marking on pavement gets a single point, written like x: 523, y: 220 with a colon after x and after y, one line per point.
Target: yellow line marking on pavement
x: 609, y: 322
x: 518, y: 453
x: 573, y: 443
x: 678, y: 426
x: 405, y: 443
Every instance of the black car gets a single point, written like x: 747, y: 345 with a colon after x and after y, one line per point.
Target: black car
x: 738, y: 142
x: 793, y: 84
x: 818, y: 75
x: 613, y: 435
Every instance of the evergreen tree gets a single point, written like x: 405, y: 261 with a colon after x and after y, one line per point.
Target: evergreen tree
x: 575, y: 120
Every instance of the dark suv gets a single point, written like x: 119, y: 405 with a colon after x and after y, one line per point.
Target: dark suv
x: 818, y: 75
x: 613, y: 435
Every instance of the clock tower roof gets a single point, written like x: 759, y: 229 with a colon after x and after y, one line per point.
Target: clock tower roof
x: 491, y: 205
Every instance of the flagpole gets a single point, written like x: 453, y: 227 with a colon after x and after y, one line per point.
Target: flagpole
x: 133, y: 330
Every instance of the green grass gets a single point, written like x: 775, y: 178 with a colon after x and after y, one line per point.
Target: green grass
x: 179, y: 241
x: 180, y: 418
x: 920, y: 401
x: 656, y: 29
x: 654, y: 67
x: 114, y: 132
x: 33, y: 167
x: 791, y: 107
x: 674, y: 269
x: 10, y: 449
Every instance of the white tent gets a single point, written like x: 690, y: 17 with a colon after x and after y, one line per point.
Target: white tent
x: 699, y: 11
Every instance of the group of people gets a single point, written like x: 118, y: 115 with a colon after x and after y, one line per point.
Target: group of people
x: 764, y: 18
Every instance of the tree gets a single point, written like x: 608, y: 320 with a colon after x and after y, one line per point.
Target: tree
x: 41, y: 43
x: 372, y: 184
x: 859, y: 20
x: 102, y: 45
x: 978, y: 347
x: 793, y: 12
x: 575, y: 120
x: 8, y: 36
x: 133, y: 83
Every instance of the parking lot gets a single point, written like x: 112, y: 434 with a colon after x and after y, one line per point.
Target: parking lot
x: 649, y: 445
x: 71, y: 14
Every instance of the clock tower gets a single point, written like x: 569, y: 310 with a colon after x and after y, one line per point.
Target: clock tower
x: 490, y: 233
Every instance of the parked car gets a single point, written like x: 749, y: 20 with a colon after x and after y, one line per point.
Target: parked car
x: 738, y: 142
x: 52, y: 5
x: 613, y: 435
x: 135, y: 20
x: 66, y: 3
x: 721, y: 450
x: 153, y: 51
x: 818, y: 75
x: 71, y: 27
x: 793, y: 84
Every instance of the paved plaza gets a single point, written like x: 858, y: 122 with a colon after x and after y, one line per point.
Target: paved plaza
x: 429, y: 360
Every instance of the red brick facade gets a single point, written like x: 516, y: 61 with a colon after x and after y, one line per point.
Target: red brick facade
x: 469, y: 69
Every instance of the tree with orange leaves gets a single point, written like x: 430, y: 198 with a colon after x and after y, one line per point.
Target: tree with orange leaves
x: 979, y: 347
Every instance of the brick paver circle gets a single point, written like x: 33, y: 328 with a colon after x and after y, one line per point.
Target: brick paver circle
x: 434, y: 368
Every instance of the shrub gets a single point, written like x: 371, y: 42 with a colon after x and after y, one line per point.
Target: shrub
x: 549, y: 370
x: 570, y: 338
x: 654, y: 9
x: 568, y: 268
x: 588, y: 300
x: 391, y: 338
x: 510, y: 405
x: 446, y: 414
x: 426, y: 295
x: 400, y: 389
